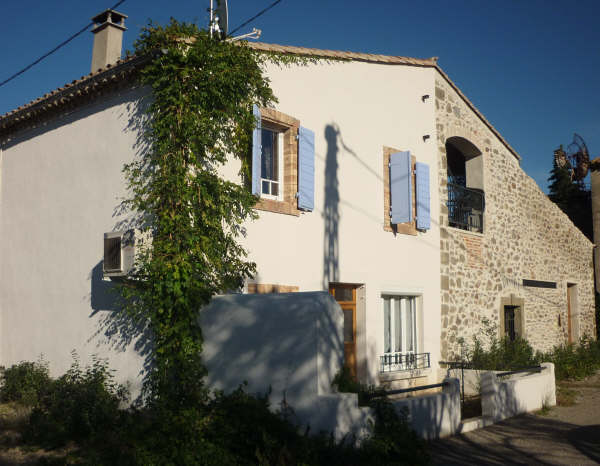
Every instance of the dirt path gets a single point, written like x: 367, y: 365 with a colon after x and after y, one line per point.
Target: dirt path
x: 567, y: 435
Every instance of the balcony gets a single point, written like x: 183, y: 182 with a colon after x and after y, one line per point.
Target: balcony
x: 391, y: 362
x: 465, y: 208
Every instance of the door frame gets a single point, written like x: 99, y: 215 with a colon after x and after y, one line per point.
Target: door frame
x: 349, y: 305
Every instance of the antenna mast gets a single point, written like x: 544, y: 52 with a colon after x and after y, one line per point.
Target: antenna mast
x: 218, y: 23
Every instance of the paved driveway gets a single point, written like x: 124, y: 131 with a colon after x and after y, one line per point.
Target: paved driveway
x: 568, y: 435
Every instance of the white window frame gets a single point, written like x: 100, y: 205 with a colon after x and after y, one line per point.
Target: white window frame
x: 279, y: 182
x: 404, y: 306
x: 404, y: 299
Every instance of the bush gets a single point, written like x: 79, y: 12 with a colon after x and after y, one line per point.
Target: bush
x: 241, y: 429
x: 503, y: 355
x: 235, y: 429
x: 393, y: 441
x: 344, y: 382
x: 77, y: 406
x: 574, y: 362
x: 24, y: 382
x: 570, y: 361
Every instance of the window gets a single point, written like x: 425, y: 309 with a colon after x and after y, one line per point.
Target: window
x: 511, y: 318
x: 509, y: 322
x: 401, y: 335
x: 282, y: 163
x: 466, y: 198
x: 271, y: 166
x: 406, y: 197
x: 400, y: 324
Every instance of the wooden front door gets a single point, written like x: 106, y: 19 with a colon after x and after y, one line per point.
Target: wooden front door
x: 345, y: 295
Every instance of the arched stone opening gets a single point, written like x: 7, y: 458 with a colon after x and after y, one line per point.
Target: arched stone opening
x: 466, y: 198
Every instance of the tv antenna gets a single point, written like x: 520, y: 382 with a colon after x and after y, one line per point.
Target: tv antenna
x: 218, y: 19
x: 218, y: 25
x: 579, y: 159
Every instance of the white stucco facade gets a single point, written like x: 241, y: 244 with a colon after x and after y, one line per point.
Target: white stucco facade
x: 61, y: 184
x: 355, y: 109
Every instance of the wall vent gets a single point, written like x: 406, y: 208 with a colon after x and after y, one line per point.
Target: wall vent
x: 119, y: 252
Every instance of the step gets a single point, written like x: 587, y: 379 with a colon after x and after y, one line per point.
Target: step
x: 473, y: 423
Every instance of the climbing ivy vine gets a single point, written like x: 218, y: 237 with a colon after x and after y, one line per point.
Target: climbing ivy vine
x: 200, y: 116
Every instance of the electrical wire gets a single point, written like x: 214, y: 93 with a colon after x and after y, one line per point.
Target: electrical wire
x: 62, y: 44
x: 260, y: 13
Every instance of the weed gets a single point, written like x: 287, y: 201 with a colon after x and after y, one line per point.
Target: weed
x: 565, y: 396
x: 24, y: 382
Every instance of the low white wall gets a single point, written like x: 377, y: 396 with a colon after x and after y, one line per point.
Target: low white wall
x: 523, y: 393
x: 434, y: 416
x: 291, y: 346
x: 472, y: 382
x: 288, y: 344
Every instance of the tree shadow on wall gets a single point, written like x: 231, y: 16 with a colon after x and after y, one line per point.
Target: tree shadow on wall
x: 288, y: 345
x: 116, y: 329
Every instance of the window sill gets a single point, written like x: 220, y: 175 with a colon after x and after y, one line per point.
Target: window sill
x: 278, y: 207
x: 403, y: 375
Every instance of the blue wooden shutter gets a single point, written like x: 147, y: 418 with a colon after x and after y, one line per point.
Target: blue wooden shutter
x: 306, y: 169
x: 256, y: 151
x: 422, y: 182
x: 401, y: 187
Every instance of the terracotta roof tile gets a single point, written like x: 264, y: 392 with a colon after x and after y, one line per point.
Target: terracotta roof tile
x: 339, y: 54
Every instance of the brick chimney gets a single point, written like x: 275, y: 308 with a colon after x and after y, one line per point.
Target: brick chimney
x: 108, y: 38
x: 595, y: 179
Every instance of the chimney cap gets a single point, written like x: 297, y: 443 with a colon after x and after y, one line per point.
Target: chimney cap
x: 109, y: 16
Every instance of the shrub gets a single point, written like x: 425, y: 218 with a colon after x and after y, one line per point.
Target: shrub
x: 240, y: 429
x: 345, y: 382
x: 574, y: 362
x: 24, y: 382
x: 502, y: 354
x: 570, y: 361
x: 77, y: 406
x: 393, y: 441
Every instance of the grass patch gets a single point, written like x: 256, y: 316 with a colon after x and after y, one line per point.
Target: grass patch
x: 544, y: 411
x: 565, y: 396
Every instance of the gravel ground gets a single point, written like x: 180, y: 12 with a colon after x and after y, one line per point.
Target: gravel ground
x: 568, y: 435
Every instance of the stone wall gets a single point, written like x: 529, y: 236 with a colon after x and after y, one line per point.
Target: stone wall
x: 525, y: 236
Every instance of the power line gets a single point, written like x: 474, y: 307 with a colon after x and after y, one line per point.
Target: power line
x: 254, y: 17
x: 62, y: 44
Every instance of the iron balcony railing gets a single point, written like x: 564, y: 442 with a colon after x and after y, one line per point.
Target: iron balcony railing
x: 391, y: 362
x: 465, y: 207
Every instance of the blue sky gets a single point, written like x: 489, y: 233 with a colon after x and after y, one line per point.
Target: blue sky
x: 530, y: 66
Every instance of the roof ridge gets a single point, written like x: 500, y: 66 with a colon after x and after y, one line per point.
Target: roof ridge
x: 341, y: 54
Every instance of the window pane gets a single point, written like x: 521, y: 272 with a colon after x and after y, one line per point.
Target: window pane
x: 269, y: 160
x: 387, y: 344
x: 397, y: 326
x: 413, y: 305
x: 348, y: 326
x: 274, y: 189
x: 265, y: 187
x: 343, y: 293
x: 410, y: 325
